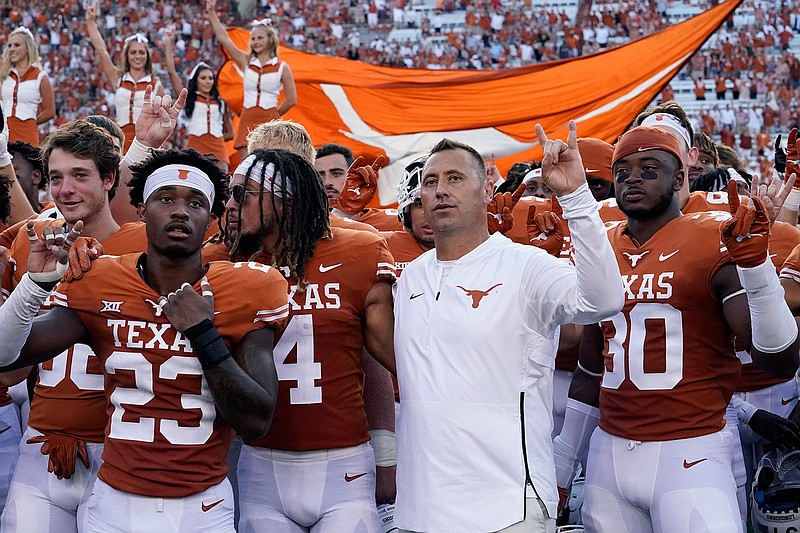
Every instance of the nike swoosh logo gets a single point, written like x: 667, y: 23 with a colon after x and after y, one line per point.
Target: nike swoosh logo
x: 687, y: 464
x: 590, y: 170
x: 210, y: 506
x: 353, y: 478
x: 323, y: 268
x: 9, y: 427
x: 783, y: 402
x: 663, y: 257
x: 416, y: 295
x: 644, y: 149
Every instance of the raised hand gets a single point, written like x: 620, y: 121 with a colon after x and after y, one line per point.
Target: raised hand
x: 80, y: 257
x: 499, y: 212
x: 772, y: 192
x: 185, y: 308
x: 746, y: 233
x: 546, y: 228
x: 47, y: 260
x: 211, y: 7
x: 360, y: 186
x: 91, y: 15
x: 562, y: 168
x: 158, y: 117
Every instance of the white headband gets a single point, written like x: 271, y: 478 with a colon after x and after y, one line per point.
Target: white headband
x: 198, y: 67
x: 138, y: 37
x: 270, y: 176
x: 179, y: 175
x: 668, y: 122
x: 532, y: 174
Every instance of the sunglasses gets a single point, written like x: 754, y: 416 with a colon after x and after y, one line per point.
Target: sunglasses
x: 239, y: 193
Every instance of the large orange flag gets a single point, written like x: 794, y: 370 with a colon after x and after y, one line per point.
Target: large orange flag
x: 401, y: 113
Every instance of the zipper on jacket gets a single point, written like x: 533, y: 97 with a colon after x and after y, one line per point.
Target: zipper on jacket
x: 528, y: 480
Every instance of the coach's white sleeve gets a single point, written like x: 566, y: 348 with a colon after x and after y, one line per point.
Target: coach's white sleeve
x: 16, y: 318
x: 589, y: 291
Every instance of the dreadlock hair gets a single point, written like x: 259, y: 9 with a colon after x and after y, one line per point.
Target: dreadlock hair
x: 30, y: 154
x: 303, y: 219
x: 717, y: 180
x: 208, y: 164
x: 5, y: 198
x: 191, y: 98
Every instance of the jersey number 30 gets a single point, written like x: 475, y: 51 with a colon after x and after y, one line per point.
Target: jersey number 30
x: 668, y: 354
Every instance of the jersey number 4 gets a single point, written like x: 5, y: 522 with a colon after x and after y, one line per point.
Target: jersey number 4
x: 641, y: 349
x: 304, y: 371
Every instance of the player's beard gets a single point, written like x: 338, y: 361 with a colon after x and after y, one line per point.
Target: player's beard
x: 648, y: 213
x: 249, y: 244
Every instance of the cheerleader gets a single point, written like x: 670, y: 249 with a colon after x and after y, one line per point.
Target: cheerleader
x: 28, y: 98
x: 264, y: 76
x: 130, y: 80
x: 209, y: 122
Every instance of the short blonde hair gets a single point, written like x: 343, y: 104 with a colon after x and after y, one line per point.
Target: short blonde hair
x: 283, y: 134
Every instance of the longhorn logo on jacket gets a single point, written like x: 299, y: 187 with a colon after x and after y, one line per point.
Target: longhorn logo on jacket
x: 478, y: 295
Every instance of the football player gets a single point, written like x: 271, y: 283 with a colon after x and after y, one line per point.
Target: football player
x: 185, y: 351
x: 416, y: 237
x: 661, y: 459
x: 68, y: 412
x: 334, y: 163
x: 340, y: 301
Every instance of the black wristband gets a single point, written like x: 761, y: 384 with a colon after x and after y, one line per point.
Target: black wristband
x: 208, y: 346
x: 212, y: 354
x: 202, y: 334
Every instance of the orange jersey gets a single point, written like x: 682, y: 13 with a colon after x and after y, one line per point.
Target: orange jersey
x: 404, y: 248
x: 164, y: 437
x: 349, y: 223
x: 318, y: 357
x: 68, y: 397
x: 381, y: 219
x: 670, y: 365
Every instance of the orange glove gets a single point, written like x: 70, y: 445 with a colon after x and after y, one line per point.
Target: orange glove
x: 80, y: 256
x: 62, y: 451
x: 746, y: 234
x: 499, y: 211
x: 546, y: 229
x: 360, y: 187
x: 793, y: 158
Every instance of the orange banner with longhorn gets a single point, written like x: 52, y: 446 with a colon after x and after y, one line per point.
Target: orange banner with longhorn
x: 400, y: 113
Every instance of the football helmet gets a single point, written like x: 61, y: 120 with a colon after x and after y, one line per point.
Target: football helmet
x: 775, y: 495
x: 408, y: 189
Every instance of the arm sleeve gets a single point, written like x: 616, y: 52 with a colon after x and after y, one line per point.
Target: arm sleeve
x: 590, y: 291
x: 16, y: 318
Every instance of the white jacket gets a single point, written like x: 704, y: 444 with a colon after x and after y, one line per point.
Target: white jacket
x: 475, y: 341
